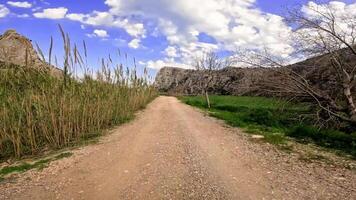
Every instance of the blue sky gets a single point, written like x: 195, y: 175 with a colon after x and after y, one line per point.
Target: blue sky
x: 155, y: 32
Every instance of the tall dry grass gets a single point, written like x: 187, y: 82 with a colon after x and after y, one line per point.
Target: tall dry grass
x: 40, y: 112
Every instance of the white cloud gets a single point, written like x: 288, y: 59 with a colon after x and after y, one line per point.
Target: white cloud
x: 52, y: 13
x: 75, y: 17
x: 3, y: 11
x: 232, y: 24
x: 135, y: 43
x: 20, y: 4
x: 171, y: 52
x: 344, y: 18
x: 101, y: 33
x: 158, y: 64
x: 133, y: 29
x: 97, y: 18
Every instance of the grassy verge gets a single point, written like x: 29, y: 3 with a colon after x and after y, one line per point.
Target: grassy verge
x: 276, y: 120
x: 25, y: 166
x: 41, y: 161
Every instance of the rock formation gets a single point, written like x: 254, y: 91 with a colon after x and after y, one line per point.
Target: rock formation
x: 250, y: 81
x: 228, y: 81
x: 17, y: 49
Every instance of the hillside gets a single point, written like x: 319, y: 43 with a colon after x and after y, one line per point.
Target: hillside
x: 249, y: 81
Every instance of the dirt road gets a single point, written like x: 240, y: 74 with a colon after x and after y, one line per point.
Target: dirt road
x: 173, y: 151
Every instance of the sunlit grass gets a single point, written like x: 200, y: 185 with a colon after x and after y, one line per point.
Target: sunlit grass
x: 275, y: 119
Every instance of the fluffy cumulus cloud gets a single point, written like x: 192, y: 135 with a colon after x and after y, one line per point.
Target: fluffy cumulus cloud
x: 3, y: 11
x: 338, y: 8
x: 135, y: 43
x: 308, y: 38
x: 97, y: 18
x: 344, y: 16
x: 52, y: 13
x: 158, y: 64
x: 20, y: 4
x: 101, y: 33
x: 192, y: 27
x: 233, y: 24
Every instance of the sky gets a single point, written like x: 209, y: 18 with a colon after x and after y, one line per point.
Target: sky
x: 157, y: 33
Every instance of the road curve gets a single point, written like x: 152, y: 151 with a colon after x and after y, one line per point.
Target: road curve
x: 173, y: 151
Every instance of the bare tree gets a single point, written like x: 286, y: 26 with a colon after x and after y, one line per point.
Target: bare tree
x: 206, y: 65
x: 331, y: 37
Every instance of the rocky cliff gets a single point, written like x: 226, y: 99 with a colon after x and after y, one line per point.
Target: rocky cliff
x: 233, y: 81
x: 250, y: 81
x: 17, y: 49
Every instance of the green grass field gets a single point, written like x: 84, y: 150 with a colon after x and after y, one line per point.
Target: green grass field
x: 275, y: 119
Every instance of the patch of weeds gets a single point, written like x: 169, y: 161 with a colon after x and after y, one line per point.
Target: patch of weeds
x: 41, y: 164
x: 325, y: 138
x: 18, y: 168
x: 275, y: 138
x: 271, y: 135
x: 87, y: 139
x: 91, y: 136
x: 63, y: 155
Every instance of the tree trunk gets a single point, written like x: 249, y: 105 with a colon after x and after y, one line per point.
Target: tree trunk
x: 351, y: 104
x: 207, y: 99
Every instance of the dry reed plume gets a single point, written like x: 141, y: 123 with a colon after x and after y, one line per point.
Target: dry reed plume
x: 40, y: 112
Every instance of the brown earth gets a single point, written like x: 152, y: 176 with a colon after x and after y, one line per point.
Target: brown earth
x: 173, y: 151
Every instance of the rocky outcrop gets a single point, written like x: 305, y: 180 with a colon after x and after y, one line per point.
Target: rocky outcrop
x: 17, y: 49
x: 232, y: 81
x: 251, y: 81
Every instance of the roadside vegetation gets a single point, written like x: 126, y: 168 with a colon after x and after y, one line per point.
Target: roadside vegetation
x: 25, y: 166
x: 39, y: 112
x: 276, y: 120
x: 328, y: 119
